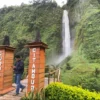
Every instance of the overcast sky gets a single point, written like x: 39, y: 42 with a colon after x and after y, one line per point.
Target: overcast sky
x: 18, y: 2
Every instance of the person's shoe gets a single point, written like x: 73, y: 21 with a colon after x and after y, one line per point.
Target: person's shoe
x: 22, y: 89
x: 15, y: 94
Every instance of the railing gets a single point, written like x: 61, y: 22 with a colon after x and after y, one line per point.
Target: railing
x: 53, y: 76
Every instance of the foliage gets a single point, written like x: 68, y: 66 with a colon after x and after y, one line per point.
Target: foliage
x: 59, y: 91
x: 35, y: 96
x: 85, y: 59
x: 22, y: 22
x: 82, y: 73
x: 84, y: 22
x: 71, y: 3
x: 88, y: 37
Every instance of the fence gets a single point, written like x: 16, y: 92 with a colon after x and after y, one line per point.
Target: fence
x: 53, y: 76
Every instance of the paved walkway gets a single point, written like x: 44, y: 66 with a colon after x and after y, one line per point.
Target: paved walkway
x: 9, y: 96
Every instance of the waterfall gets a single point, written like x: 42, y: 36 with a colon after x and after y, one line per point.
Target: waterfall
x: 66, y: 44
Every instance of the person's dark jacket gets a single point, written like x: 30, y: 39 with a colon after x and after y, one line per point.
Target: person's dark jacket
x: 19, y: 67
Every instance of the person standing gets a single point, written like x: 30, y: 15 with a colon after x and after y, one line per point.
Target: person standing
x: 18, y: 70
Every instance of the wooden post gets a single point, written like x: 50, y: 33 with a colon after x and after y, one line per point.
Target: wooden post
x: 6, y: 69
x: 48, y: 78
x: 36, y: 70
x: 58, y: 75
x: 54, y: 76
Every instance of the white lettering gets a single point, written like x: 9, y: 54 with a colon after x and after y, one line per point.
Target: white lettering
x: 33, y: 66
x: 32, y: 88
x: 33, y: 76
x: 34, y: 49
x: 33, y: 70
x: 32, y: 82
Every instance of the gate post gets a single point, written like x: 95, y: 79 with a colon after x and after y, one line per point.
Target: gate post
x: 6, y: 70
x: 36, y: 69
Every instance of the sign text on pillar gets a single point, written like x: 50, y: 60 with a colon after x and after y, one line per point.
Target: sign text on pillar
x: 33, y: 69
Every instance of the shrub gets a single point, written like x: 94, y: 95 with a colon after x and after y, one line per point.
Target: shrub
x: 59, y: 91
x: 68, y: 67
x: 97, y: 72
x: 37, y: 96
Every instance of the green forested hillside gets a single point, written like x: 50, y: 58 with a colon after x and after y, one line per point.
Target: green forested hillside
x: 22, y: 22
x: 83, y: 67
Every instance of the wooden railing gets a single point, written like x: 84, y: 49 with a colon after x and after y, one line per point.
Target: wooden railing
x: 53, y: 76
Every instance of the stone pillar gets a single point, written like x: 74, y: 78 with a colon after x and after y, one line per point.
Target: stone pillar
x: 36, y: 70
x: 6, y: 70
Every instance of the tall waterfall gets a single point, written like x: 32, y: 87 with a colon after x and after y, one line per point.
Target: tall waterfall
x: 66, y: 44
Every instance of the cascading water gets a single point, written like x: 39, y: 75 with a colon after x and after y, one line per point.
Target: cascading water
x: 66, y: 42
x: 66, y: 45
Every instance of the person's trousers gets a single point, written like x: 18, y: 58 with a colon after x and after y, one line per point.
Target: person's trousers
x: 17, y: 81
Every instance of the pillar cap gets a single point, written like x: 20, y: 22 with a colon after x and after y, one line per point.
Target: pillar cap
x: 37, y: 44
x: 7, y: 47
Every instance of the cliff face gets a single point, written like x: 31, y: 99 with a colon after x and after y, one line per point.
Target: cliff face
x: 84, y: 25
x: 83, y: 66
x: 77, y: 8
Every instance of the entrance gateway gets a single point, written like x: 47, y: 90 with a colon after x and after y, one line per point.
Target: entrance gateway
x: 36, y: 69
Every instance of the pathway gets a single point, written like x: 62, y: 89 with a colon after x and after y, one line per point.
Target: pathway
x: 9, y: 96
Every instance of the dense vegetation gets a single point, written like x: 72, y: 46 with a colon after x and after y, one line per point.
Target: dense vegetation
x: 88, y: 37
x: 59, y: 91
x: 83, y: 66
x: 22, y: 22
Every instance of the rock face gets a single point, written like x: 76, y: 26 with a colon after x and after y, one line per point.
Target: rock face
x: 84, y: 25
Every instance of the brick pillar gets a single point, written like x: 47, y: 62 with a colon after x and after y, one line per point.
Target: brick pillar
x: 6, y: 70
x: 36, y: 70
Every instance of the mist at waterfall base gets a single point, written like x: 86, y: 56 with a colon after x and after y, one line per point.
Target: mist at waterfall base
x: 66, y: 42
